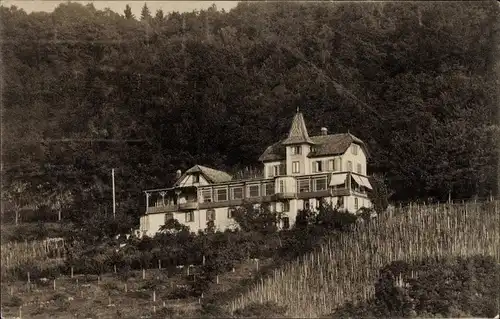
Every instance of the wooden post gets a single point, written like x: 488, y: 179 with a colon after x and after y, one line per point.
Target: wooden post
x: 188, y: 270
x: 12, y: 291
x: 203, y: 260
x: 233, y: 269
x: 154, y: 309
x: 257, y: 260
x: 54, y: 284
x: 114, y: 197
x: 29, y: 279
x: 20, y: 312
x: 109, y: 300
x: 126, y: 287
x: 71, y: 271
x: 217, y: 279
x: 114, y: 266
x: 143, y: 273
x: 159, y: 264
x: 77, y: 282
x: 154, y: 295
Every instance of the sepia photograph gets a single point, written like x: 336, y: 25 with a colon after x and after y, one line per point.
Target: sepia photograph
x: 249, y: 159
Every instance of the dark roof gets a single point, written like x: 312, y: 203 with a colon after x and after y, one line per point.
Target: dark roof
x: 212, y: 175
x: 298, y: 131
x: 325, y: 145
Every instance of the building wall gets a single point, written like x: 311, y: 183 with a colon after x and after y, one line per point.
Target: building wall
x: 153, y: 222
x: 301, y: 158
x: 355, y: 159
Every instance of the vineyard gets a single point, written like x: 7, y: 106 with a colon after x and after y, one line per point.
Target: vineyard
x: 346, y: 268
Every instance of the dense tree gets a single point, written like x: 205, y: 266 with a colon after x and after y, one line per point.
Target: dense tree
x: 96, y: 91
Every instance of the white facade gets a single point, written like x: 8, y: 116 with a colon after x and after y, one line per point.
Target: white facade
x: 298, y: 173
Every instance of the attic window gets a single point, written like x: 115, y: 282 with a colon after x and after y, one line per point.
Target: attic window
x: 354, y: 149
x: 196, y: 178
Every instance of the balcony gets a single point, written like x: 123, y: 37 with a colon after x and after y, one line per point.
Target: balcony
x: 162, y: 209
x: 188, y: 205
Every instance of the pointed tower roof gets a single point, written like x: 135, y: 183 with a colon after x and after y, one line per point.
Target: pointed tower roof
x: 298, y: 132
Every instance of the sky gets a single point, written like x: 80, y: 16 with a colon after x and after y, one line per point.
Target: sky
x: 118, y: 6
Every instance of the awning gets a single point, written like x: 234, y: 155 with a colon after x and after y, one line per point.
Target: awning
x: 362, y: 181
x: 338, y: 179
x: 357, y: 179
x: 366, y: 182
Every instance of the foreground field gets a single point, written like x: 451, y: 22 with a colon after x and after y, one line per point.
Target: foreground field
x: 112, y: 296
x: 346, y: 268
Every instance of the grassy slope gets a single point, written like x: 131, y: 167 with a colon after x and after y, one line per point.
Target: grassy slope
x: 346, y: 269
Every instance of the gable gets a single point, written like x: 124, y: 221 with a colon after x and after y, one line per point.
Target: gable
x: 210, y: 175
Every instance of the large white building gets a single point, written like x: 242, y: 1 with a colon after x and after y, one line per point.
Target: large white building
x: 299, y: 172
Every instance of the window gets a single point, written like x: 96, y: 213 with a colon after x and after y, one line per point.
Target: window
x: 331, y: 165
x: 196, y: 178
x: 221, y: 194
x: 318, y: 166
x: 207, y: 195
x: 211, y: 215
x: 286, y: 206
x: 349, y: 166
x: 354, y: 149
x: 253, y: 190
x: 296, y: 150
x: 237, y: 193
x: 303, y: 185
x: 295, y: 167
x: 268, y: 189
x: 359, y: 169
x: 276, y: 170
x: 286, y: 222
x: 356, y: 205
x: 190, y: 217
x: 340, y: 202
x: 282, y: 186
x: 337, y: 165
x: 320, y: 184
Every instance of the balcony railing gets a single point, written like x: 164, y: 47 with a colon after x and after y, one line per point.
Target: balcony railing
x: 188, y: 205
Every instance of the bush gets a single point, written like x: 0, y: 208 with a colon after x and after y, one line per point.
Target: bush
x: 453, y: 287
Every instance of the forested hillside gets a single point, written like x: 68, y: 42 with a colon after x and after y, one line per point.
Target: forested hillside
x: 85, y: 91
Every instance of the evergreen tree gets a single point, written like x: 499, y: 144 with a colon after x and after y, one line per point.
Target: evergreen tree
x: 145, y: 13
x: 159, y: 16
x: 128, y: 12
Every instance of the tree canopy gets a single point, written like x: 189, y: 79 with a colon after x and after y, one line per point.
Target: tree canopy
x: 88, y: 90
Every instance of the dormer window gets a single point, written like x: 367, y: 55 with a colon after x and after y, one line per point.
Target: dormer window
x: 296, y: 150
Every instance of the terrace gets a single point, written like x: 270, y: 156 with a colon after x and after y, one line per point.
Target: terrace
x: 235, y: 193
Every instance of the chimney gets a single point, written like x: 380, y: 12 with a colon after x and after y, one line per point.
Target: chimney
x: 178, y: 174
x: 324, y: 131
